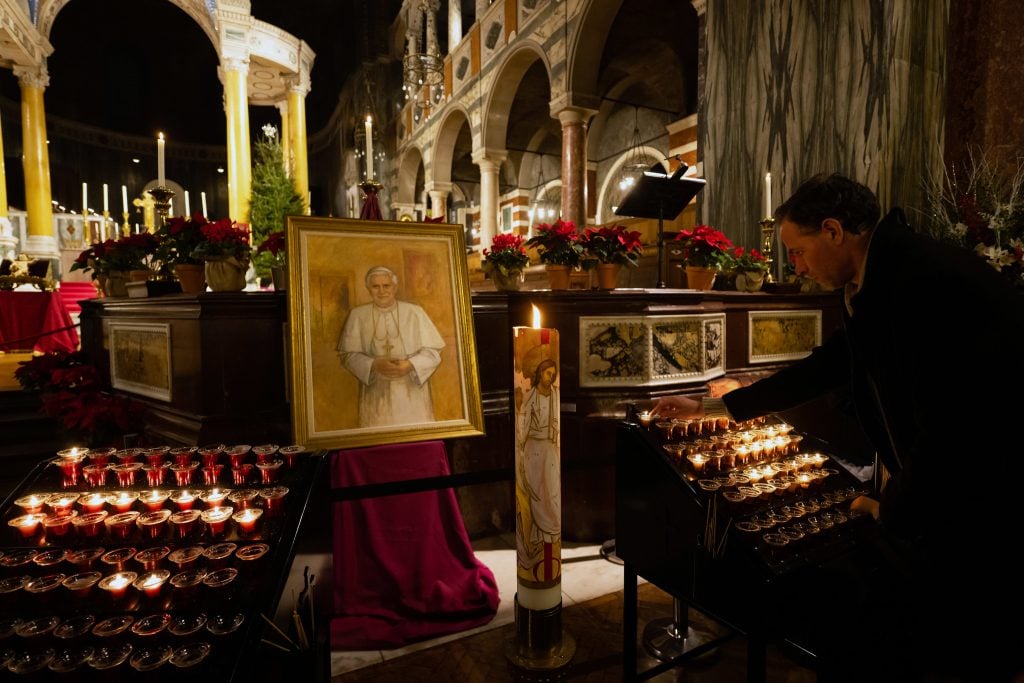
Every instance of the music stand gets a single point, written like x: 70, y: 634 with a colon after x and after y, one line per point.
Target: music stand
x: 657, y: 195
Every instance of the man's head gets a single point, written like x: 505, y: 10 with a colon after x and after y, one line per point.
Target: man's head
x: 826, y: 225
x: 382, y: 283
x: 545, y: 373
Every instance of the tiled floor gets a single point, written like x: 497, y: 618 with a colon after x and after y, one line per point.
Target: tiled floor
x: 592, y: 602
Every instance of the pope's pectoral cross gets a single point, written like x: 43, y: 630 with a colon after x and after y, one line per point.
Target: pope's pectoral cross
x: 387, y: 347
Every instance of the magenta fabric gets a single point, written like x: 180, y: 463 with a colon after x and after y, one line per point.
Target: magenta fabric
x: 25, y: 316
x: 404, y: 569
x: 73, y: 292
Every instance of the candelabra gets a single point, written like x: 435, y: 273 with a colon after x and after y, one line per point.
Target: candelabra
x: 768, y: 246
x: 162, y: 203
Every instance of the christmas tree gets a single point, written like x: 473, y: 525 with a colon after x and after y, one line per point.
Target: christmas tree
x: 273, y: 196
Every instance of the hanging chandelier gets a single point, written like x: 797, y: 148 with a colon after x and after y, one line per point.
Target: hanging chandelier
x: 541, y: 210
x: 636, y: 160
x: 422, y: 70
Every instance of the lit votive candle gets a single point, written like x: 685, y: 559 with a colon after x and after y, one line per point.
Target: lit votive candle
x: 183, y: 473
x: 291, y: 454
x: 58, y: 525
x: 183, y: 455
x: 125, y: 472
x: 70, y: 469
x: 804, y: 480
x: 31, y: 504
x: 184, y: 499
x: 265, y: 452
x: 154, y: 499
x: 645, y: 418
x: 151, y: 583
x: 215, y: 497
x: 216, y: 520
x: 27, y: 525
x: 698, y: 461
x: 153, y: 523
x: 120, y: 525
x: 96, y: 474
x: 269, y: 470
x: 817, y: 460
x: 184, y: 522
x: 61, y: 503
x: 274, y: 497
x: 247, y: 519
x: 117, y: 584
x: 155, y: 474
x: 122, y: 501
x: 89, y: 525
x: 74, y: 452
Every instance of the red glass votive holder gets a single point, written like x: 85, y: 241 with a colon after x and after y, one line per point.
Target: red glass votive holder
x: 154, y: 500
x: 211, y: 474
x: 216, y: 497
x: 57, y: 526
x: 183, y: 499
x: 27, y: 525
x: 70, y: 470
x: 81, y: 584
x: 84, y: 559
x: 92, y: 502
x: 216, y: 520
x: 89, y: 525
x: 240, y: 475
x: 117, y: 559
x: 120, y: 526
x: 95, y: 474
x: 237, y: 455
x: 243, y: 498
x: 153, y: 523
x: 273, y: 498
x: 61, y: 503
x: 269, y: 471
x: 184, y: 455
x: 184, y: 522
x: 184, y: 558
x: 122, y: 501
x: 155, y: 456
x: 183, y: 473
x: 101, y: 456
x: 151, y: 583
x: 73, y: 453
x: 117, y: 584
x: 32, y: 503
x: 217, y: 555
x: 126, y: 472
x: 213, y: 450
x: 151, y: 558
x: 265, y: 452
x: 155, y: 474
x: 291, y: 454
x: 127, y: 455
x: 247, y: 519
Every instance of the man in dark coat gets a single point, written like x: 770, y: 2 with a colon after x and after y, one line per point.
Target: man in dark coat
x: 931, y: 352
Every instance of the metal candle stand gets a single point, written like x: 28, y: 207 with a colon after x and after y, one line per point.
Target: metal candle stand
x: 768, y: 246
x: 162, y: 203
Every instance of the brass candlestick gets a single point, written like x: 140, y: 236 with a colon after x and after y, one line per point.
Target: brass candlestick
x: 162, y: 203
x: 768, y: 246
x: 125, y: 228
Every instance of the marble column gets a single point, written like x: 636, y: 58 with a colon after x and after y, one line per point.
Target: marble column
x: 236, y: 108
x: 3, y: 180
x: 454, y: 24
x: 40, y: 241
x: 297, y: 124
x: 439, y: 199
x: 286, y: 138
x: 574, y: 164
x: 490, y: 163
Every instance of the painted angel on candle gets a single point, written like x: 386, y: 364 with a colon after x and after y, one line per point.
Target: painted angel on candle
x: 538, y: 486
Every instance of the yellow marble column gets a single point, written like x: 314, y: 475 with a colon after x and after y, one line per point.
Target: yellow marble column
x: 3, y: 177
x: 297, y: 125
x: 574, y: 164
x: 286, y: 138
x: 41, y: 241
x: 236, y: 108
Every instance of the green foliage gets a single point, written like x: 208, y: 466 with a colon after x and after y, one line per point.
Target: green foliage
x: 273, y: 197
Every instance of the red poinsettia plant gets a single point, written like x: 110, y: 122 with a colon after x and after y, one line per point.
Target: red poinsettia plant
x: 223, y: 239
x: 274, y: 245
x: 178, y: 238
x: 704, y: 247
x: 128, y: 253
x: 613, y: 244
x: 506, y: 254
x: 558, y: 244
x: 748, y: 260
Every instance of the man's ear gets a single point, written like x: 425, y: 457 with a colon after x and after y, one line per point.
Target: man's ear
x: 833, y: 229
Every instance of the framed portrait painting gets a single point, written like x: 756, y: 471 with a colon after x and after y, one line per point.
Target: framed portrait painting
x: 382, y: 342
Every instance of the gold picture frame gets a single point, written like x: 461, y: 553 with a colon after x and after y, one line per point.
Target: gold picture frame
x: 345, y: 340
x: 140, y: 358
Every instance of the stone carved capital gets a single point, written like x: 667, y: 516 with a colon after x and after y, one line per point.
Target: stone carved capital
x: 33, y: 76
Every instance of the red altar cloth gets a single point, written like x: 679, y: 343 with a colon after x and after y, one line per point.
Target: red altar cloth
x: 403, y: 567
x: 26, y: 315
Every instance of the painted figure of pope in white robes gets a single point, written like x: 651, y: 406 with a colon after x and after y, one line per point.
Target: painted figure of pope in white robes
x: 392, y: 347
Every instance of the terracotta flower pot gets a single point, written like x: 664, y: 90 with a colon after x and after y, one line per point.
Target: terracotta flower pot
x: 608, y: 275
x: 558, y: 276
x: 116, y: 284
x: 191, y: 277
x: 700, y: 278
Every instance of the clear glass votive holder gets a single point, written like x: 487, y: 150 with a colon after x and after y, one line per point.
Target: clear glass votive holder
x: 698, y: 461
x: 32, y: 503
x: 216, y: 520
x: 151, y: 583
x: 154, y: 499
x: 183, y: 499
x: 81, y: 584
x: 185, y: 558
x: 84, y: 559
x: 217, y: 555
x: 247, y: 519
x: 122, y: 501
x: 215, y: 497
x: 117, y: 584
x: 186, y: 583
x: 27, y: 525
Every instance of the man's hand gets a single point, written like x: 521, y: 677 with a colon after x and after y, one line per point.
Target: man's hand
x: 392, y: 368
x: 683, y: 407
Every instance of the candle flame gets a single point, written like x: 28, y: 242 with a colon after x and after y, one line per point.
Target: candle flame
x: 369, y: 119
x: 119, y: 581
x: 153, y: 580
x: 160, y: 136
x: 536, y: 318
